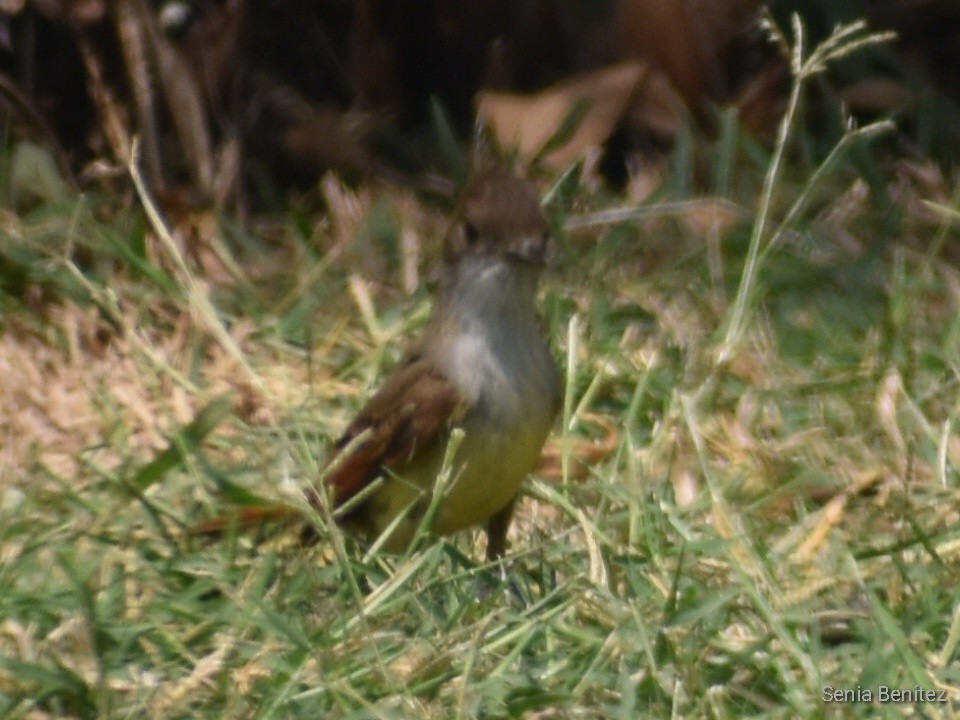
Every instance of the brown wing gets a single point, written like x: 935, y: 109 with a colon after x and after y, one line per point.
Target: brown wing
x: 406, y: 415
x: 415, y: 405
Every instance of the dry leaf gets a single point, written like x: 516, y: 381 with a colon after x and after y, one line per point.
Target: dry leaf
x: 687, y: 39
x: 530, y: 122
x: 658, y: 110
x: 875, y: 95
x: 761, y: 101
x: 78, y: 12
x: 583, y: 453
x: 711, y: 217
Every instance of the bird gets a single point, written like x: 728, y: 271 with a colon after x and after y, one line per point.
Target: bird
x: 482, y: 364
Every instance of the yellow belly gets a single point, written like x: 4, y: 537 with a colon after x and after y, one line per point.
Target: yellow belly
x: 487, y: 473
x: 503, y: 369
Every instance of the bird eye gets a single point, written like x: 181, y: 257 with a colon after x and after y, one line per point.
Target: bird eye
x: 470, y: 234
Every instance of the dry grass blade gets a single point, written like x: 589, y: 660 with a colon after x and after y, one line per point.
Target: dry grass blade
x: 184, y: 99
x: 130, y: 31
x: 111, y: 113
x: 196, y: 293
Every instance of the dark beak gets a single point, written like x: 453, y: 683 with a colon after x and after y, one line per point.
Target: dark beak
x: 533, y: 249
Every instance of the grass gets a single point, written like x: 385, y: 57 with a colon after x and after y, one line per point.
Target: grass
x: 778, y: 513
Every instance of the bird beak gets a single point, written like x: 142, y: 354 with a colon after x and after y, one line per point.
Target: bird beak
x: 533, y: 249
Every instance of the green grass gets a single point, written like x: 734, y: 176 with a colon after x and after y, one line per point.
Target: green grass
x: 781, y: 512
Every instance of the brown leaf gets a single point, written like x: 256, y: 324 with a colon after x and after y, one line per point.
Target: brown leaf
x: 875, y: 95
x: 371, y: 59
x: 11, y: 7
x: 213, y: 50
x: 318, y: 138
x: 530, y: 122
x: 583, y: 453
x: 658, y: 110
x: 687, y: 39
x: 761, y: 100
x: 76, y: 12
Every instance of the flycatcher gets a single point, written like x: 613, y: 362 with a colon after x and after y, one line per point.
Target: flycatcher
x: 482, y: 365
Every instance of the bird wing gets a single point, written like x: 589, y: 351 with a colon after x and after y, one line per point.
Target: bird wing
x: 409, y: 413
x: 415, y: 406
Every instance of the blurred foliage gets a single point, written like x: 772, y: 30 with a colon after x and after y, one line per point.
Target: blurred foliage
x: 237, y: 103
